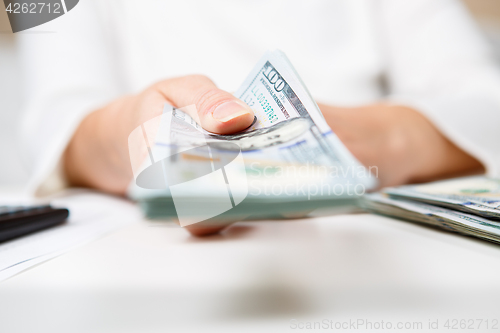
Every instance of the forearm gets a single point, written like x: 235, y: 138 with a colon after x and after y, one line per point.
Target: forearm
x: 97, y: 154
x: 403, y: 144
x: 434, y: 155
x: 446, y: 160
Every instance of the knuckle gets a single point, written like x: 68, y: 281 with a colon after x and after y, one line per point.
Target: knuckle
x: 153, y: 94
x: 155, y: 89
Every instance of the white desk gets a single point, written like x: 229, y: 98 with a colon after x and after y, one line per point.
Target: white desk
x: 257, y: 277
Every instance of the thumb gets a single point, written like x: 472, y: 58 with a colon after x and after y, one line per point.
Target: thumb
x: 217, y: 111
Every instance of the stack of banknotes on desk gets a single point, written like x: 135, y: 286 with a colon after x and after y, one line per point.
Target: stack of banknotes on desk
x: 287, y: 163
x: 469, y: 206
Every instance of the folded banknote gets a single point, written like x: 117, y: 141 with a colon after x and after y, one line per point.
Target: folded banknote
x: 288, y: 161
x: 469, y: 205
x: 477, y: 195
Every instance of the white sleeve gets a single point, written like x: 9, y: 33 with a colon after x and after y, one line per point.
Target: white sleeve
x: 68, y: 73
x: 438, y: 62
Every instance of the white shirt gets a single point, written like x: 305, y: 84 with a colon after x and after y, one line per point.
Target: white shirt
x: 428, y: 53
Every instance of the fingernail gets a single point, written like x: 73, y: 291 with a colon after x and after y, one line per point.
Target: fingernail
x: 229, y: 110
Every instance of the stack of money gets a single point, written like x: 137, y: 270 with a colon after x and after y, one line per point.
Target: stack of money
x: 470, y: 205
x: 287, y: 162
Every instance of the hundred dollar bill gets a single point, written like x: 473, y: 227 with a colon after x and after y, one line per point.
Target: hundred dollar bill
x: 477, y: 195
x: 448, y: 219
x: 277, y: 95
x: 289, y: 153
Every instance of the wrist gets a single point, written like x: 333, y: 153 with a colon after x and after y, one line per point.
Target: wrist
x: 97, y: 155
x: 436, y: 157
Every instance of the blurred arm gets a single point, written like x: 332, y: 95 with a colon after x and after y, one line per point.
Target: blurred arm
x: 438, y: 63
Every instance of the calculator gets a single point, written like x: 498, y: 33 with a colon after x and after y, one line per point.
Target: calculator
x: 17, y: 221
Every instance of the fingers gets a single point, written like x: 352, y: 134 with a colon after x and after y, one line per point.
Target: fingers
x: 208, y: 227
x: 200, y: 231
x: 217, y: 111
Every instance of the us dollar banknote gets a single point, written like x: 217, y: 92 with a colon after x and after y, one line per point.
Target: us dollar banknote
x: 288, y: 154
x: 276, y: 94
x: 289, y: 128
x: 449, y: 219
x: 477, y: 195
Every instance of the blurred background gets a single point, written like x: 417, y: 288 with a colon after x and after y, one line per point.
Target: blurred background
x: 12, y: 171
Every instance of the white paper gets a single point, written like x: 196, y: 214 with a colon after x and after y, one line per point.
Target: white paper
x: 92, y: 215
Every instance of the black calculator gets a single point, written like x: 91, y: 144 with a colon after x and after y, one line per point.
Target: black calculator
x: 16, y: 221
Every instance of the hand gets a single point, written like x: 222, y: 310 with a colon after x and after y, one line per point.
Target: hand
x: 400, y: 142
x: 97, y: 155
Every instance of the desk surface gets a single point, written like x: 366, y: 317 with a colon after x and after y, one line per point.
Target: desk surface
x: 270, y: 276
